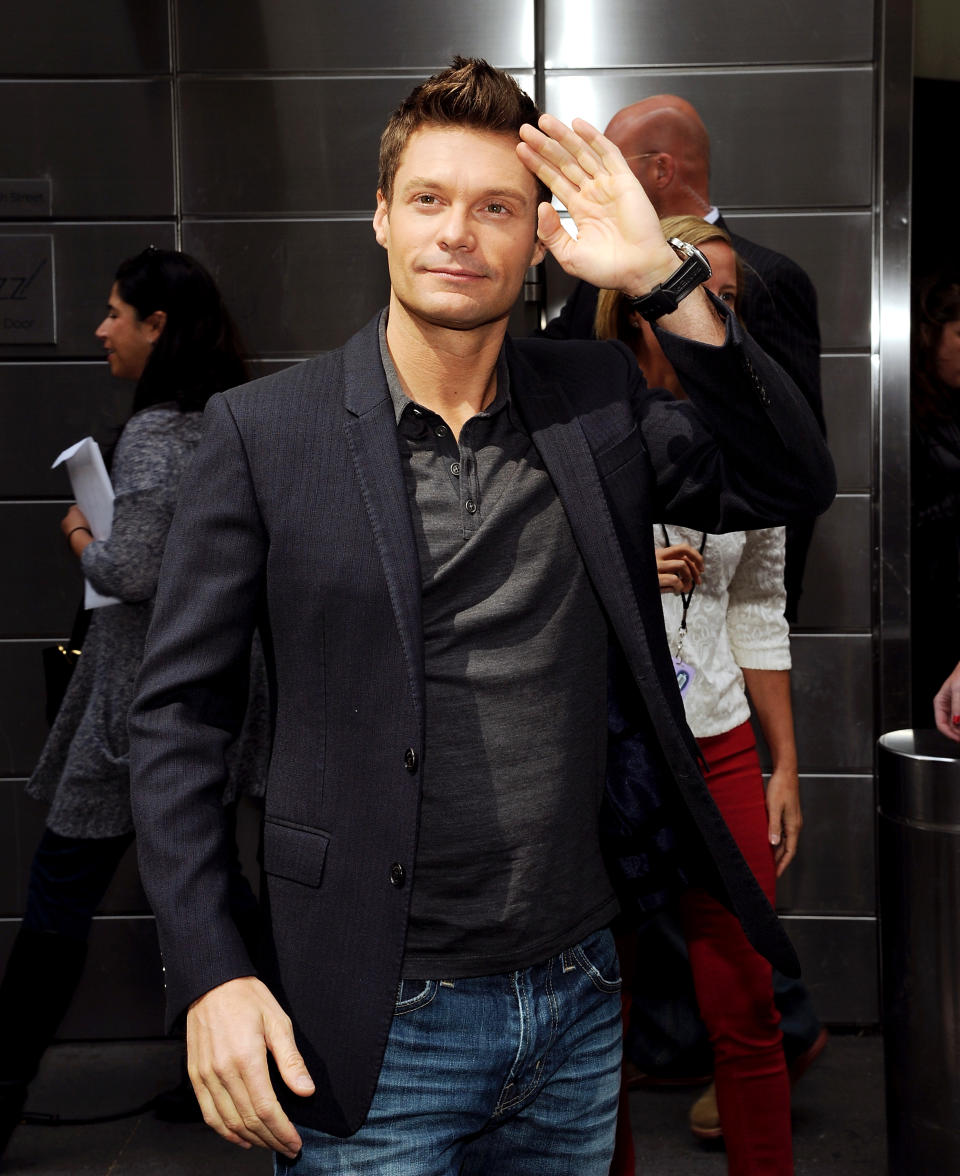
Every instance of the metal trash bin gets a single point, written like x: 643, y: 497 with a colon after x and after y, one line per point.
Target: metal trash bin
x: 919, y: 898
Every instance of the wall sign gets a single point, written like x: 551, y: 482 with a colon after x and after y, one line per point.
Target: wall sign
x: 27, y: 310
x: 26, y: 198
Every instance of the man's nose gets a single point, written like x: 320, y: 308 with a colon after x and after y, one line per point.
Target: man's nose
x: 456, y: 232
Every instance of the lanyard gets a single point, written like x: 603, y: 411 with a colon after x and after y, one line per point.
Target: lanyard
x: 686, y: 597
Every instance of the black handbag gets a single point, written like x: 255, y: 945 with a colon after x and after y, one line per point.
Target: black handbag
x: 59, y: 662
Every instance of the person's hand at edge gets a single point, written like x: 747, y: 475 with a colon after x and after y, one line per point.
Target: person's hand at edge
x: 946, y: 706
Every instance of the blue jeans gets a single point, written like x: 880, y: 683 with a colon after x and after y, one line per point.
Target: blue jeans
x: 510, y: 1075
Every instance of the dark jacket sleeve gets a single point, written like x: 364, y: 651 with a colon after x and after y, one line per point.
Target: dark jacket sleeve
x: 189, y: 705
x: 744, y: 450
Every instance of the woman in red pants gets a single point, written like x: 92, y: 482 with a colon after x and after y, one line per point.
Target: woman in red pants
x: 728, y: 637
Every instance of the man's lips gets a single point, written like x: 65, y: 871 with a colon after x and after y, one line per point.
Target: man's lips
x: 443, y: 271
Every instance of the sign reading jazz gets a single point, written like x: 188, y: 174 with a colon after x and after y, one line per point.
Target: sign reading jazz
x: 27, y: 312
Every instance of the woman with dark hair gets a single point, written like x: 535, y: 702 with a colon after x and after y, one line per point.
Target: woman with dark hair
x: 935, y: 488
x: 167, y: 328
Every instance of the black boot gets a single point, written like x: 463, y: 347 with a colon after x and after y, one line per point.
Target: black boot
x: 39, y: 982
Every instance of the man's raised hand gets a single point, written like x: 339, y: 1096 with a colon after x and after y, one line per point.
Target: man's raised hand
x: 619, y: 242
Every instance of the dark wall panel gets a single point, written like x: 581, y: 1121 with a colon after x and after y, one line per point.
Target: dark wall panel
x: 295, y: 287
x: 839, y: 960
x: 303, y: 36
x: 769, y: 130
x: 87, y: 256
x: 833, y: 701
x: 121, y: 993
x: 834, y: 870
x: 50, y: 38
x: 44, y: 408
x: 688, y: 32
x: 106, y: 146
x: 847, y: 406
x: 23, y: 726
x: 837, y: 584
x: 284, y: 145
x: 40, y: 589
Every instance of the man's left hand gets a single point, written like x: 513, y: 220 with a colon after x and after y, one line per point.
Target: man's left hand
x: 619, y: 242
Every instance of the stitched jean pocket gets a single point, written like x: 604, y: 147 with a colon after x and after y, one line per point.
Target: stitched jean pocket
x: 597, y: 958
x: 413, y: 995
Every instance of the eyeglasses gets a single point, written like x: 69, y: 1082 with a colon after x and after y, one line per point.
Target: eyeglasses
x: 642, y: 155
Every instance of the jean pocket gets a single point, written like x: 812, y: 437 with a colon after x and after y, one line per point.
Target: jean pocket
x: 597, y: 958
x: 413, y: 995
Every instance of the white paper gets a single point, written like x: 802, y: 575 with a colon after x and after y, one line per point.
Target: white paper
x: 94, y: 495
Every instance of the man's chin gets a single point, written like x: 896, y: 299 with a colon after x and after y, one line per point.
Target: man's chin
x: 453, y: 317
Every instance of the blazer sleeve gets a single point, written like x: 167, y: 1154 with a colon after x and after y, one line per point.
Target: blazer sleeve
x: 744, y: 450
x: 189, y: 705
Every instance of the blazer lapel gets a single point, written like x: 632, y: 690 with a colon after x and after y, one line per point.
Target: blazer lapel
x: 558, y: 435
x: 371, y: 433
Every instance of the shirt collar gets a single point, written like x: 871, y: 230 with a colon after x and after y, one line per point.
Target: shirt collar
x: 402, y: 402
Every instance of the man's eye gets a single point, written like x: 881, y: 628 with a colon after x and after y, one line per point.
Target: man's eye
x: 427, y: 198
x: 496, y: 208
x: 729, y: 297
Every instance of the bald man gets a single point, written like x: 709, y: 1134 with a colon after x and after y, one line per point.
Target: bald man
x: 668, y: 149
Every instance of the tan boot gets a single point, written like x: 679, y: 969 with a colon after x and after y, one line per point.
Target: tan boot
x: 704, y: 1116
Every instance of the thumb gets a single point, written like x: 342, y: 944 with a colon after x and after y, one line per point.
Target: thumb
x: 551, y: 232
x: 293, y: 1070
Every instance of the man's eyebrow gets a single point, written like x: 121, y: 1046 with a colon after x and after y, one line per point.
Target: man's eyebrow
x: 496, y: 193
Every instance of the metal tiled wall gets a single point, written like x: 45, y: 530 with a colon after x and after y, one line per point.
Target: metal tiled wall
x: 246, y: 132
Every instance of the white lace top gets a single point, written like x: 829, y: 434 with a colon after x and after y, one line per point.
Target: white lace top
x: 735, y: 619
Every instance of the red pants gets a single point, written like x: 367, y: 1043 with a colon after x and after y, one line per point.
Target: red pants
x: 733, y: 981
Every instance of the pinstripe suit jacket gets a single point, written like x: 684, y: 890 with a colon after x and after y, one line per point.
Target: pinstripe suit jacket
x: 295, y: 519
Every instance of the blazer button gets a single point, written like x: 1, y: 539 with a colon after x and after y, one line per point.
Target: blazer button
x: 410, y: 760
x: 398, y: 874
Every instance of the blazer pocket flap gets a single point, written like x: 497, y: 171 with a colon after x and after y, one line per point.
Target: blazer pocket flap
x: 620, y: 452
x: 295, y: 854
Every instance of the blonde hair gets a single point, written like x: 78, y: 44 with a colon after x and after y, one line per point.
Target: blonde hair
x: 612, y: 319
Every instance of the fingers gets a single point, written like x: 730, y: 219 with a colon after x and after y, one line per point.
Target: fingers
x: 229, y: 1031
x: 946, y: 707
x: 566, y: 158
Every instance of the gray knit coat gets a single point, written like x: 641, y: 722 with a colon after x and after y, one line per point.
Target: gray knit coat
x: 83, y: 769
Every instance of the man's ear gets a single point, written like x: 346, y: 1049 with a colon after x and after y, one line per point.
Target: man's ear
x: 665, y: 170
x: 539, y: 252
x: 155, y: 323
x: 381, y: 220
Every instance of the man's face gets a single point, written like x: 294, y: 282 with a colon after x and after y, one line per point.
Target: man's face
x: 460, y: 230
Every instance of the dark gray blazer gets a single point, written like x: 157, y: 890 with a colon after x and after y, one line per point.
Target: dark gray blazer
x: 295, y: 518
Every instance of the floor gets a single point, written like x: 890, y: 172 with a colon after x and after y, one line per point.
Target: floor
x: 838, y: 1119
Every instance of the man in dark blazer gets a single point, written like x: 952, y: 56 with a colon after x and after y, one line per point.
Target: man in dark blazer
x: 666, y: 144
x: 444, y: 539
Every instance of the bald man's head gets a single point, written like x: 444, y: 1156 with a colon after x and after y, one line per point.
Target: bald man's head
x: 668, y: 149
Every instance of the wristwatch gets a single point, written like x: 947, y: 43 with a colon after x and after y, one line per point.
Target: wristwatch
x: 666, y: 297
